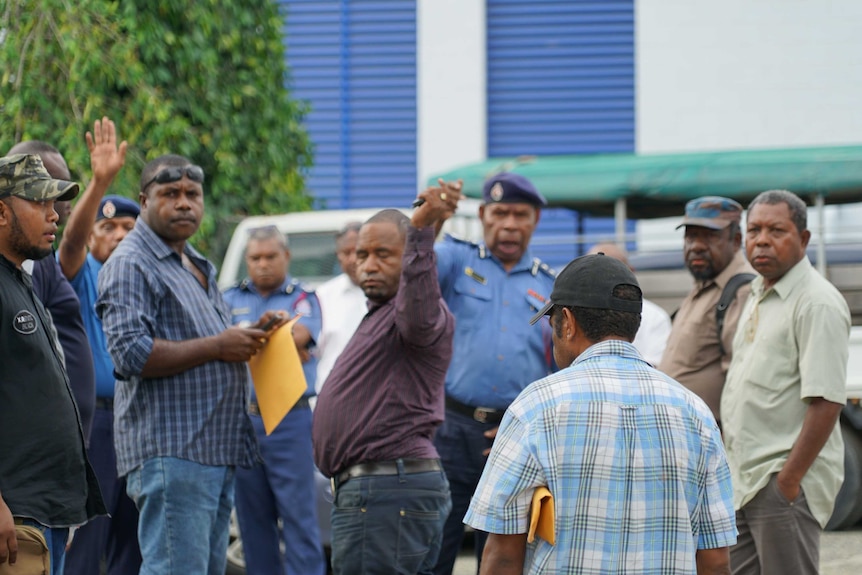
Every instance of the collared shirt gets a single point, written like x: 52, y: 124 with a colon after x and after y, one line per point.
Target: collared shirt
x: 652, y: 335
x: 44, y: 473
x: 383, y: 399
x: 54, y: 290
x: 791, y: 345
x: 246, y: 304
x: 693, y: 356
x: 343, y: 306
x: 145, y: 293
x: 85, y: 285
x: 497, y: 351
x: 634, y: 462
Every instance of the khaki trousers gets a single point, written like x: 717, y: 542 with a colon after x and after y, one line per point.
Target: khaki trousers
x: 776, y: 536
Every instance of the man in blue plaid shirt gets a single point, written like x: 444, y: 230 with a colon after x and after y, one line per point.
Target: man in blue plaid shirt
x: 182, y: 380
x: 634, y: 461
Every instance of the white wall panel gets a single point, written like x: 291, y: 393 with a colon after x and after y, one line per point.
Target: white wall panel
x: 451, y: 78
x: 747, y: 73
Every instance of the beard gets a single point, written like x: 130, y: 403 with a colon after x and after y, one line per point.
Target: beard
x: 703, y: 274
x: 20, y: 245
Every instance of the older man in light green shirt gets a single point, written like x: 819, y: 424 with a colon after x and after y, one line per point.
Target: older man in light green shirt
x: 784, y: 393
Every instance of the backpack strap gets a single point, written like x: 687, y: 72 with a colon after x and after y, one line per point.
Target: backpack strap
x: 728, y: 294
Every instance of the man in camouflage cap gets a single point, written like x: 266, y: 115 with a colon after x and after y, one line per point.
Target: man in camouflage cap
x: 700, y: 345
x: 24, y: 176
x: 46, y: 480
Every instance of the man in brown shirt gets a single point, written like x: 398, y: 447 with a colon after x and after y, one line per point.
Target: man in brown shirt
x: 698, y: 352
x: 383, y: 400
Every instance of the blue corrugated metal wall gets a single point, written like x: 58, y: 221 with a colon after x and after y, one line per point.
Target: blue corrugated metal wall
x: 354, y: 62
x: 561, y: 81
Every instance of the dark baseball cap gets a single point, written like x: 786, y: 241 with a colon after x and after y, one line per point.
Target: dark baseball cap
x: 713, y: 212
x: 25, y: 176
x: 117, y: 207
x: 509, y: 188
x: 589, y: 281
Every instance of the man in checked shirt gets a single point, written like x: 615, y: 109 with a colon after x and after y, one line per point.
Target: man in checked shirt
x: 633, y: 460
x: 182, y: 380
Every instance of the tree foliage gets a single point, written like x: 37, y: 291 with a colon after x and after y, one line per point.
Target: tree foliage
x: 204, y: 79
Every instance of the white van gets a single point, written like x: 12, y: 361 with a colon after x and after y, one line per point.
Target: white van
x: 312, y: 239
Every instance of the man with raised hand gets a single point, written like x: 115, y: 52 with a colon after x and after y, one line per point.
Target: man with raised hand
x: 95, y: 228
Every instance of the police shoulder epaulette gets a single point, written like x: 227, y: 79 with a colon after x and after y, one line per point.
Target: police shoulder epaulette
x: 243, y: 285
x: 540, y: 266
x: 483, y: 251
x: 295, y: 284
x: 459, y: 240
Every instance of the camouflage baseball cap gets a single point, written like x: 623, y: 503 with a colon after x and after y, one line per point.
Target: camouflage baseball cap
x: 25, y: 176
x: 713, y: 212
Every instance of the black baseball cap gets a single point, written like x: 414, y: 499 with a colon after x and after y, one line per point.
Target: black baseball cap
x: 589, y: 281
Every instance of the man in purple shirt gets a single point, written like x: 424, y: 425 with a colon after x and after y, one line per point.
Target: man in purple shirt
x: 376, y: 416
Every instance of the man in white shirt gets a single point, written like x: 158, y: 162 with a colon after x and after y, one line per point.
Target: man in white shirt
x: 655, y: 326
x: 342, y: 303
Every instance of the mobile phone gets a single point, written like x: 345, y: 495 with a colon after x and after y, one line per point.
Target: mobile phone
x: 268, y: 325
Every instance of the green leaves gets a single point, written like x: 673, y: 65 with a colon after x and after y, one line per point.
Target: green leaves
x: 204, y: 79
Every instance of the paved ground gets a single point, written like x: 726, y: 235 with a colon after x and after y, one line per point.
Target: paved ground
x: 840, y: 554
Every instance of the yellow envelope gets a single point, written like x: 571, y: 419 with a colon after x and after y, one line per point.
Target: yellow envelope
x: 542, y: 516
x: 276, y: 372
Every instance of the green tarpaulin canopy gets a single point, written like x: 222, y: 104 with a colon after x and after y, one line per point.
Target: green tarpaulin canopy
x: 656, y: 185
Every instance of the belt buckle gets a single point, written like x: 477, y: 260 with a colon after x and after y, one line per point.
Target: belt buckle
x: 480, y: 414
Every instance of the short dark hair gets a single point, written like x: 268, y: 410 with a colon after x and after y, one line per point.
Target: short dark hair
x: 391, y: 216
x: 348, y: 227
x: 797, y: 207
x: 598, y: 324
x: 165, y: 161
x: 265, y: 233
x: 33, y: 147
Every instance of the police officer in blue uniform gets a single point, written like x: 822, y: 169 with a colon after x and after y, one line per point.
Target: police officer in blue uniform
x: 282, y: 487
x: 493, y: 289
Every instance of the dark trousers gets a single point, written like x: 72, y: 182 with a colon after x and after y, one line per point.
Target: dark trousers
x: 282, y: 487
x: 776, y: 535
x: 460, y: 442
x: 389, y: 524
x: 114, y: 538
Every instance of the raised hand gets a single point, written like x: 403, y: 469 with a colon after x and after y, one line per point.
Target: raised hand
x: 439, y: 203
x: 106, y: 157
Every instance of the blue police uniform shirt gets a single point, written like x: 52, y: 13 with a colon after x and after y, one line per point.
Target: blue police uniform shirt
x: 497, y: 353
x: 84, y: 285
x: 246, y: 304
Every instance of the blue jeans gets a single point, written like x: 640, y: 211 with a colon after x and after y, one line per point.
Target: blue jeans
x: 113, y: 538
x: 281, y: 488
x: 460, y: 441
x: 389, y: 524
x: 56, y: 538
x: 184, y: 515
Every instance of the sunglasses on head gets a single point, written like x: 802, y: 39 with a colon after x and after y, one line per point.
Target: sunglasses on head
x: 174, y: 174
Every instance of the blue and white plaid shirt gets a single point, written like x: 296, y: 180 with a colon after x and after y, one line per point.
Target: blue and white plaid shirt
x: 634, y: 460
x: 199, y: 414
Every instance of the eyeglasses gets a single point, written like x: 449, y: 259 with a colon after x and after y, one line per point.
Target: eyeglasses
x: 175, y: 174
